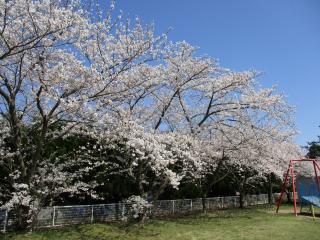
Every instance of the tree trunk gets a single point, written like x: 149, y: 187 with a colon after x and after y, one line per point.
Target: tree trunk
x: 16, y: 137
x: 37, y: 156
x: 242, y: 198
x: 158, y: 190
x: 20, y: 221
x: 242, y: 195
x: 270, y: 190
x: 204, y: 202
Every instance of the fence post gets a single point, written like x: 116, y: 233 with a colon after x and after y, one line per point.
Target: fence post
x: 53, y: 215
x: 172, y: 206
x: 222, y: 202
x: 191, y: 205
x: 5, y: 221
x: 123, y: 210
x: 91, y: 220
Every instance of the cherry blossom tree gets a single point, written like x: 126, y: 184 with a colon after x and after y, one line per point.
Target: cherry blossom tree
x: 260, y: 158
x: 52, y: 78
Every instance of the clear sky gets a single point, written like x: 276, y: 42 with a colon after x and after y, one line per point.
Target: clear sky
x: 278, y: 37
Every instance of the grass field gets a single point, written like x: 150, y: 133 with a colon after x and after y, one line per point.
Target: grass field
x: 248, y: 224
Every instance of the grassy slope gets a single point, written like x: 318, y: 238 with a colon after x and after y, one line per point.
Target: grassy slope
x: 235, y: 224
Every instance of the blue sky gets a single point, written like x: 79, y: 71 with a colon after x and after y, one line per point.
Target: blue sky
x: 278, y: 37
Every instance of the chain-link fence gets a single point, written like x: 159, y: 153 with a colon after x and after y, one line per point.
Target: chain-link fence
x: 66, y: 215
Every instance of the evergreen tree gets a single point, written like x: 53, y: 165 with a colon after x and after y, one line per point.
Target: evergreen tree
x: 314, y: 149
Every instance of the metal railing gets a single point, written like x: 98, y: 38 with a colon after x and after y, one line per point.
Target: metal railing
x: 78, y: 214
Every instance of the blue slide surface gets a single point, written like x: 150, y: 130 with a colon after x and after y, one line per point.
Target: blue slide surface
x: 308, y: 191
x: 314, y: 200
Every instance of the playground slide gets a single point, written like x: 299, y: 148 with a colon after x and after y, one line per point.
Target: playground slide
x: 314, y: 200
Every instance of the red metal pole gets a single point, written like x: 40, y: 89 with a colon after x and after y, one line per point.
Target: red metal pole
x: 317, y: 165
x: 284, y: 185
x: 303, y: 160
x: 316, y: 174
x: 294, y: 190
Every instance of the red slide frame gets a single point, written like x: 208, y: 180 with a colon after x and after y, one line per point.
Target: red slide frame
x: 290, y: 171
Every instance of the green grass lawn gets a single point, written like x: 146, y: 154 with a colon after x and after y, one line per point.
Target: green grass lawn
x: 246, y: 224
